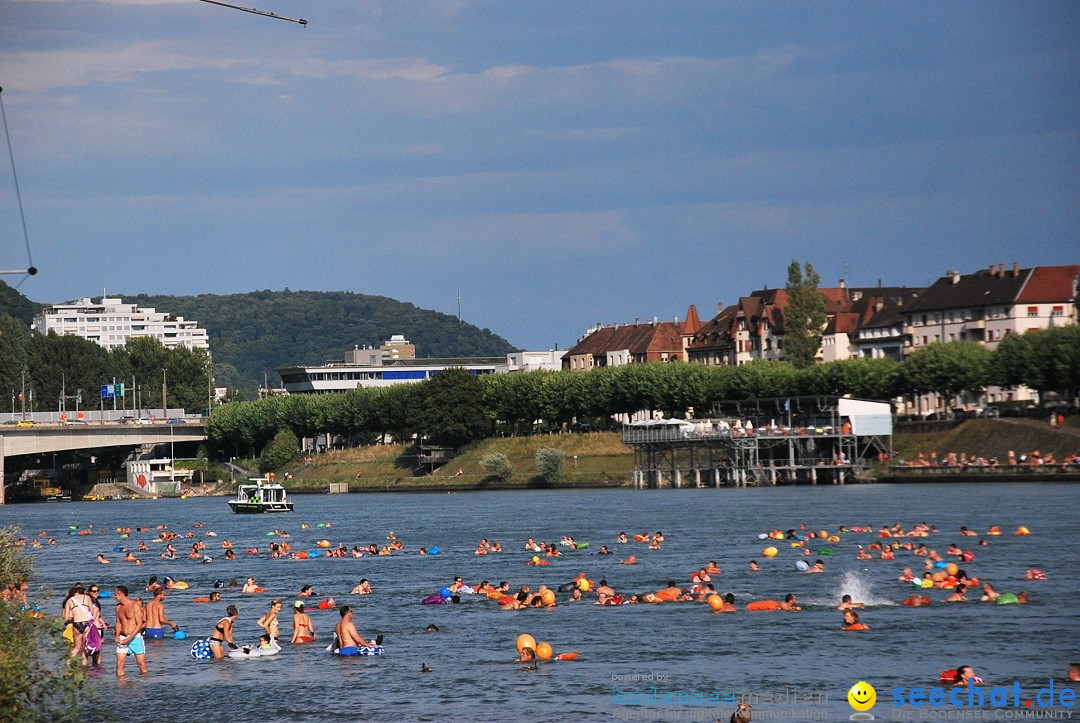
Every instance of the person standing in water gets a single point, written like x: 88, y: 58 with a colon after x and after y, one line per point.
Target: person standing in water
x: 349, y: 639
x: 129, y: 626
x: 155, y: 616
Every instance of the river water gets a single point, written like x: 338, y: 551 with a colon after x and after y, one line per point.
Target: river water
x: 676, y: 648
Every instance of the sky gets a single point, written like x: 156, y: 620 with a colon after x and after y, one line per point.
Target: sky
x: 557, y: 163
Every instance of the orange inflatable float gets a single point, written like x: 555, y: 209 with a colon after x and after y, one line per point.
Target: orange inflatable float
x: 763, y: 605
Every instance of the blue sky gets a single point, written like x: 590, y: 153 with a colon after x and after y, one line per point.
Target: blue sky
x: 558, y: 163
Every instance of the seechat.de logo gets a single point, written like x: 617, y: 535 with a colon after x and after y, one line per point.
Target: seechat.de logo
x: 862, y: 697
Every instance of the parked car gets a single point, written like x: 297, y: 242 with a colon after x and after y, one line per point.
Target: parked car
x: 176, y: 421
x: 25, y: 423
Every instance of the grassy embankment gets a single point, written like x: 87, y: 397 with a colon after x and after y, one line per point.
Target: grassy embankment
x: 991, y: 438
x: 604, y: 461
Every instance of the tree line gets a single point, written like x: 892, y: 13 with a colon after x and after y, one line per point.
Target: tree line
x: 43, y: 368
x: 455, y: 407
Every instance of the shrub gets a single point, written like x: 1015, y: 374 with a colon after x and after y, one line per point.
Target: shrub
x: 498, y: 465
x: 550, y: 463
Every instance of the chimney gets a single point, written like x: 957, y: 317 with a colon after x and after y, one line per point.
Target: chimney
x: 1016, y: 268
x: 879, y: 305
x: 955, y: 276
x: 879, y: 282
x: 637, y: 320
x: 843, y: 284
x: 654, y: 320
x: 992, y: 267
x: 719, y: 306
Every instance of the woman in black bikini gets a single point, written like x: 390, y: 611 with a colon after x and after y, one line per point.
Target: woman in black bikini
x: 223, y: 633
x: 79, y: 611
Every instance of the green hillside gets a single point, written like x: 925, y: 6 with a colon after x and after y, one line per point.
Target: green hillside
x: 14, y: 304
x: 259, y: 331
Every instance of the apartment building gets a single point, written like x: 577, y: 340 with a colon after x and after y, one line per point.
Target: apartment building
x: 111, y: 323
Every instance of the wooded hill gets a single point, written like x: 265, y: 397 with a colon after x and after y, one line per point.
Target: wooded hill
x: 259, y: 331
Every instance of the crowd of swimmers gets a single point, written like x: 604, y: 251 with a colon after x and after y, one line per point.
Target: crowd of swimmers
x: 135, y: 620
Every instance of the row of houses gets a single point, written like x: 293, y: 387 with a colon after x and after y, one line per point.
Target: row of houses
x: 870, y: 322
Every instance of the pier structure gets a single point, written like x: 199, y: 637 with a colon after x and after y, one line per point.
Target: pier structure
x: 784, y: 440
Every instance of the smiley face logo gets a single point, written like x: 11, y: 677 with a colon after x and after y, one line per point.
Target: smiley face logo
x: 862, y: 696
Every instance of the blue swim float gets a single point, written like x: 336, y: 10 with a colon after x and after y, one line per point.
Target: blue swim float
x: 434, y: 550
x: 200, y: 650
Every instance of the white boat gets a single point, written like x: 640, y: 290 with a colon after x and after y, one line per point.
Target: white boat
x: 260, y: 495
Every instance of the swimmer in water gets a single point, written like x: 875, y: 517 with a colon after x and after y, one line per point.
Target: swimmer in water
x: 250, y: 586
x: 790, y: 603
x: 989, y: 593
x: 964, y: 675
x: 631, y: 560
x: 364, y: 588
x: 818, y: 566
x: 846, y: 604
x: 102, y: 560
x: 958, y: 595
x: 754, y: 567
x: 621, y: 537
x: 851, y: 621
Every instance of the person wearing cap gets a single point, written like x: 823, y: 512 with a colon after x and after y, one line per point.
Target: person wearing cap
x: 302, y: 630
x: 223, y: 633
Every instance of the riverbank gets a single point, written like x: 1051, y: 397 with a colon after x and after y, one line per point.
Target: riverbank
x: 600, y: 459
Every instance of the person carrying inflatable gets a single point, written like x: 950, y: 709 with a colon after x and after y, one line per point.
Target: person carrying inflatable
x: 348, y: 639
x: 223, y: 633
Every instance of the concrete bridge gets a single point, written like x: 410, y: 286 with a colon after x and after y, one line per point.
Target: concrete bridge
x: 44, y: 438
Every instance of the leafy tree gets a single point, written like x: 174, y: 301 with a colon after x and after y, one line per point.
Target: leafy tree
x: 948, y: 369
x: 804, y: 317
x: 550, y: 464
x: 498, y: 465
x: 284, y: 448
x: 452, y: 411
x: 14, y: 341
x: 1046, y: 359
x: 37, y: 680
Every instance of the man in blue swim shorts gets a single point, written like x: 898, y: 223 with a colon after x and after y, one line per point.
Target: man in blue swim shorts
x: 130, y: 619
x: 348, y: 639
x: 155, y: 617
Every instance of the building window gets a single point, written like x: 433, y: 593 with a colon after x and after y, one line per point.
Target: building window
x: 1033, y: 311
x: 1058, y: 311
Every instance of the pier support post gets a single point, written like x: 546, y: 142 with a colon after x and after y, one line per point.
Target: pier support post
x: 697, y: 476
x: 813, y: 475
x: 676, y: 477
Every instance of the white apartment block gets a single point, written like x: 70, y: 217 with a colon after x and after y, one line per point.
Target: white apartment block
x: 111, y: 323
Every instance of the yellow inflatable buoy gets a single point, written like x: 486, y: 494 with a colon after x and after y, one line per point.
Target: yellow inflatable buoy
x: 180, y: 585
x: 715, y: 602
x: 525, y: 641
x: 548, y: 598
x: 544, y: 651
x: 769, y: 551
x: 952, y: 569
x: 834, y: 538
x: 1021, y: 530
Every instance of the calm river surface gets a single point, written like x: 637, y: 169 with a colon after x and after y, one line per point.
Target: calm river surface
x: 681, y: 646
